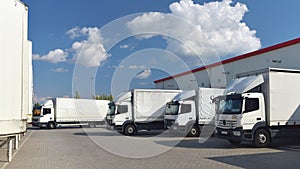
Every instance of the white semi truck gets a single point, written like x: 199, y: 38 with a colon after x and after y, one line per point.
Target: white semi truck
x: 259, y: 106
x: 15, y: 73
x: 139, y: 109
x: 70, y: 111
x: 190, y: 110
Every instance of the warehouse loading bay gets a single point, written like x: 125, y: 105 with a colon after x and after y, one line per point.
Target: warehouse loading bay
x: 74, y: 147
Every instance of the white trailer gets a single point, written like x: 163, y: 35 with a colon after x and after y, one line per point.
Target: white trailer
x: 15, y: 72
x: 139, y: 109
x: 190, y: 110
x: 259, y: 106
x: 70, y: 111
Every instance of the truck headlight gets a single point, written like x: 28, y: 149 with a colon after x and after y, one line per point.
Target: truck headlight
x: 236, y: 133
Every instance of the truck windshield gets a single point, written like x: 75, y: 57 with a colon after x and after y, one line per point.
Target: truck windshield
x: 36, y: 111
x: 112, y: 109
x: 172, y: 109
x: 229, y: 105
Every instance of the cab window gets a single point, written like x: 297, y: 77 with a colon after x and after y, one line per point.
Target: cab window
x: 46, y: 111
x: 251, y: 104
x: 122, y: 109
x: 185, y: 108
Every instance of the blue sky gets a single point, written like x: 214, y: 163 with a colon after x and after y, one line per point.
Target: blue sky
x: 74, y: 29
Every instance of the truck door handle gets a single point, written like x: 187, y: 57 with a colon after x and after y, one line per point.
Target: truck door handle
x: 127, y: 118
x: 258, y: 118
x: 190, y: 118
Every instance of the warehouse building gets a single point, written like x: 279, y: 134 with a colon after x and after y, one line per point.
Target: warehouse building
x: 283, y: 55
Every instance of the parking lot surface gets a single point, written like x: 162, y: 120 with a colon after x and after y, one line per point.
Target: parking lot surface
x: 89, y: 148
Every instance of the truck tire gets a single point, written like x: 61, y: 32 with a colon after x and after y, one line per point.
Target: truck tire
x: 51, y: 125
x: 92, y: 124
x: 129, y: 130
x: 262, y: 138
x: 194, y: 132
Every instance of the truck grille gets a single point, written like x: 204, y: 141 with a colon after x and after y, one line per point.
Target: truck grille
x: 35, y: 120
x: 228, y: 124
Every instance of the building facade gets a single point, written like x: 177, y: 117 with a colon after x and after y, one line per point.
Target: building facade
x: 284, y: 55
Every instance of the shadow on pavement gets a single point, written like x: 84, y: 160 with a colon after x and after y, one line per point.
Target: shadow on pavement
x: 263, y: 160
x: 214, y: 142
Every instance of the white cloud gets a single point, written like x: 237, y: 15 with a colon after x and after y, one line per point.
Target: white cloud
x: 60, y: 70
x: 136, y: 67
x: 89, y: 52
x: 124, y: 46
x: 217, y: 27
x: 74, y: 33
x: 55, y: 56
x: 40, y: 100
x: 144, y: 74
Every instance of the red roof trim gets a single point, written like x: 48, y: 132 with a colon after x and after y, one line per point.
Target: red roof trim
x: 240, y: 57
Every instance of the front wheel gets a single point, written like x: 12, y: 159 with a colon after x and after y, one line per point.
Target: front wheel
x: 51, y: 125
x: 92, y: 124
x: 129, y: 130
x: 262, y: 138
x: 194, y: 131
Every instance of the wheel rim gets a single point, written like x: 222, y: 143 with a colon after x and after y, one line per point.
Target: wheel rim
x: 262, y: 138
x: 130, y: 130
x: 51, y: 125
x: 193, y: 131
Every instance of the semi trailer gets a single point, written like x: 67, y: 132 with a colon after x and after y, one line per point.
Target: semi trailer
x: 15, y: 73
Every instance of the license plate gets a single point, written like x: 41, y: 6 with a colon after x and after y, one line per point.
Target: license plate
x: 224, y: 132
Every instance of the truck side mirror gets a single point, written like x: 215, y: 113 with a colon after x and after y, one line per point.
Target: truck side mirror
x: 214, y: 99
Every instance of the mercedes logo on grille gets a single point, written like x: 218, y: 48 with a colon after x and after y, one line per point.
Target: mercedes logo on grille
x: 224, y: 122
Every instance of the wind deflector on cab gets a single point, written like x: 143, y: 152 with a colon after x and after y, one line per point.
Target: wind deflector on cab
x: 244, y: 84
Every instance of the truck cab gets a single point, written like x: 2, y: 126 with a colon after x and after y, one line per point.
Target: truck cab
x: 238, y: 116
x: 120, y: 113
x: 241, y: 113
x: 43, y: 116
x: 180, y: 114
x: 110, y: 113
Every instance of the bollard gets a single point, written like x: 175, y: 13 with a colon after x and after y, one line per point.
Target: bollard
x: 16, y: 142
x: 9, y: 149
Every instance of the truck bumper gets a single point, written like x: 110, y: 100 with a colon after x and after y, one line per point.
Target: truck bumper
x: 176, y: 128
x: 172, y: 126
x: 230, y: 134
x: 38, y: 124
x: 110, y: 125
